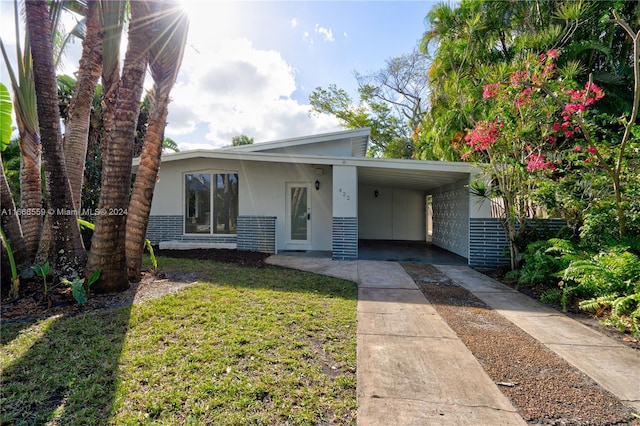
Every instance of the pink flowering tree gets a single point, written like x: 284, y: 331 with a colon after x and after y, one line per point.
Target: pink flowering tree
x: 537, y: 123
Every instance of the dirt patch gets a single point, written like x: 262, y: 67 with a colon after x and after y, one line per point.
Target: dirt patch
x: 541, y: 385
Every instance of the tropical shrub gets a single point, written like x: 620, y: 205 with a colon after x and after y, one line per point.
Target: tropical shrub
x: 542, y: 261
x: 612, y: 272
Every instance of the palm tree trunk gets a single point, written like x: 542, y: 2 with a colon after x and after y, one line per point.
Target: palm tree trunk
x: 108, y: 242
x: 68, y: 255
x: 30, y: 188
x: 167, y: 48
x: 77, y: 125
x: 142, y: 196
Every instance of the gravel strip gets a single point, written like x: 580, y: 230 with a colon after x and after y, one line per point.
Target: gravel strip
x: 542, y: 386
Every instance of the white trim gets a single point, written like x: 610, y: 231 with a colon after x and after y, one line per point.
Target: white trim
x: 190, y: 245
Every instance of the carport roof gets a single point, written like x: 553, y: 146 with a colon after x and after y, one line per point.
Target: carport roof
x: 383, y: 172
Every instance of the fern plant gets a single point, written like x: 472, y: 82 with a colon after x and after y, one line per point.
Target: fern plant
x: 625, y: 311
x: 616, y: 271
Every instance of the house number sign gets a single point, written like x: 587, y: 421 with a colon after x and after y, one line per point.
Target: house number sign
x: 344, y: 194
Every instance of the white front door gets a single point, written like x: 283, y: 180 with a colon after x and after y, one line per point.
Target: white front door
x: 299, y: 216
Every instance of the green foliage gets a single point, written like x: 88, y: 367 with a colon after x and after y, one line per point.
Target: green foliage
x: 79, y: 289
x: 152, y: 255
x: 15, y: 279
x: 625, y: 310
x: 42, y: 271
x: 5, y: 117
x: 542, y: 261
x: 241, y: 140
x: 615, y: 271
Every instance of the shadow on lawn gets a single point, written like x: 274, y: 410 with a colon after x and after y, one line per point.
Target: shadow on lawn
x: 69, y: 374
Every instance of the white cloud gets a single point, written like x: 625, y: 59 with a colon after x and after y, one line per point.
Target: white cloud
x: 307, y: 37
x: 326, y: 33
x: 234, y: 88
x: 294, y: 23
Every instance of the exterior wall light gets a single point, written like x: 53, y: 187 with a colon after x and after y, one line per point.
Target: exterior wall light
x: 317, y: 185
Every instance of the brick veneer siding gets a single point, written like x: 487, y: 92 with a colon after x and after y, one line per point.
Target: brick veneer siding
x: 164, y: 228
x: 345, y: 238
x: 171, y: 228
x: 257, y: 233
x: 488, y: 246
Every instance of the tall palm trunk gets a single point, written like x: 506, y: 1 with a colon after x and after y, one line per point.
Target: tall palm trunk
x: 30, y: 186
x: 170, y: 33
x: 68, y: 254
x: 108, y: 243
x: 78, y: 121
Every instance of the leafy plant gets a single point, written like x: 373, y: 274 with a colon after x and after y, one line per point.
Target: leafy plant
x: 79, y: 289
x: 625, y: 311
x: 616, y: 271
x: 42, y: 271
x: 15, y: 279
x: 542, y: 260
x: 152, y: 256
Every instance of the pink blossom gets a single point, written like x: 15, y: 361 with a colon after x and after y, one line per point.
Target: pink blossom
x: 483, y: 135
x: 568, y: 133
x: 577, y: 148
x: 518, y: 77
x: 553, y: 53
x: 591, y: 150
x: 556, y: 126
x: 490, y: 90
x: 536, y: 162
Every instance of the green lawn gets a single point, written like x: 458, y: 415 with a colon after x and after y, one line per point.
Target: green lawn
x: 243, y: 346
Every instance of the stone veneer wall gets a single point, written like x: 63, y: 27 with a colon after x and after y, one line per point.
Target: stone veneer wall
x: 450, y: 219
x: 257, y: 233
x: 345, y: 238
x: 488, y: 242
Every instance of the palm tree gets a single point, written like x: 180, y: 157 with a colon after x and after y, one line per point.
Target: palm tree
x: 27, y: 121
x: 79, y: 110
x: 108, y: 242
x: 68, y: 254
x: 169, y: 38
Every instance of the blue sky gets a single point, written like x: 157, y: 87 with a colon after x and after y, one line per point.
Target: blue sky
x: 250, y: 67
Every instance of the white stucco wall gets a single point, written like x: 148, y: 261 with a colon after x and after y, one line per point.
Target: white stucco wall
x: 451, y: 207
x: 395, y: 214
x: 345, y: 191
x: 262, y: 192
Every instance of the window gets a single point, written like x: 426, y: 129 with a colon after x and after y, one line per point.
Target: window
x: 211, y: 209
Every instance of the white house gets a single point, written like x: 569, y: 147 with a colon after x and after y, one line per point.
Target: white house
x: 316, y: 192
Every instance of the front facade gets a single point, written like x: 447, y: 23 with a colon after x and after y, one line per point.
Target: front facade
x: 315, y: 193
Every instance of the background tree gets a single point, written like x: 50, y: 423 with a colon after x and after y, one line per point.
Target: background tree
x: 392, y: 102
x: 241, y: 140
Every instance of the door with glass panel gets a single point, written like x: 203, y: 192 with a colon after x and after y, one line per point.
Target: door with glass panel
x: 299, y: 215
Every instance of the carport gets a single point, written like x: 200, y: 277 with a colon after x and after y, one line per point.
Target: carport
x: 414, y: 204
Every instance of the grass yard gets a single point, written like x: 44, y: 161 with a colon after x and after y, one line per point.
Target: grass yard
x: 259, y: 346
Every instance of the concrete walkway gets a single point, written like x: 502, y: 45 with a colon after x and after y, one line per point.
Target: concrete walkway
x: 414, y: 370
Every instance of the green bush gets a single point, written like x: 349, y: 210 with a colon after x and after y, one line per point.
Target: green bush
x: 542, y: 261
x: 612, y: 272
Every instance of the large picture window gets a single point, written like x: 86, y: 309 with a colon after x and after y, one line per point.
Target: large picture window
x: 211, y: 203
